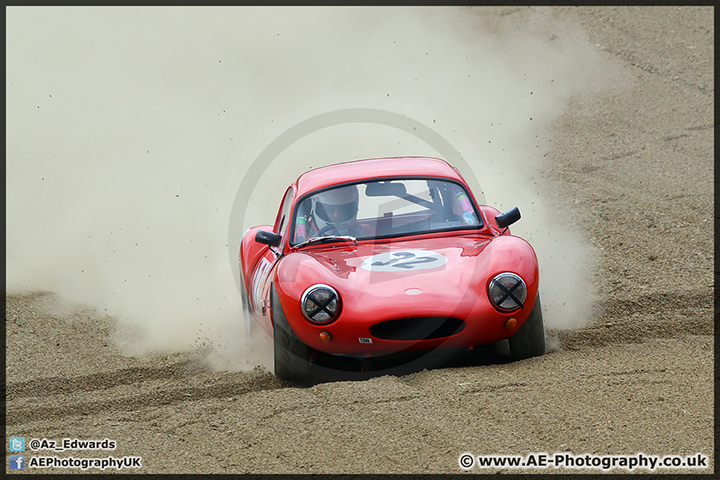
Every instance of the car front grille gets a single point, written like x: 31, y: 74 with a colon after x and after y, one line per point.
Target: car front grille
x: 417, y: 328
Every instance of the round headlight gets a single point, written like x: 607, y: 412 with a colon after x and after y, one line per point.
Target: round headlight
x: 507, y: 292
x: 320, y: 304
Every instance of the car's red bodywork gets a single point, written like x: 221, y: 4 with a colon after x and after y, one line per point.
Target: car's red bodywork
x: 456, y: 289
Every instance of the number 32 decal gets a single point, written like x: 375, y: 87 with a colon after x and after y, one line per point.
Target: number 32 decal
x: 404, y: 261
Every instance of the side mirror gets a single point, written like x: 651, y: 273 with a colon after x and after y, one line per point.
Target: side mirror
x: 268, y: 238
x: 506, y: 219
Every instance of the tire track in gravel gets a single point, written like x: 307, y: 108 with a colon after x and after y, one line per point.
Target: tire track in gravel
x: 26, y: 407
x: 660, y: 301
x: 655, y: 315
x: 44, y: 387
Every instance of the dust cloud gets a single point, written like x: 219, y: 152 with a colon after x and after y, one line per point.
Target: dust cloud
x: 130, y: 129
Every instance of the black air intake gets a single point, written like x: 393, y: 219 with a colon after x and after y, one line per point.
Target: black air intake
x: 417, y: 328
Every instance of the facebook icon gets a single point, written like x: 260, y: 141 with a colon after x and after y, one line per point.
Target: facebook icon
x: 17, y: 462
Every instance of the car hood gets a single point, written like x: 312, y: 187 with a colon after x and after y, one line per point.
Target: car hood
x: 429, y: 276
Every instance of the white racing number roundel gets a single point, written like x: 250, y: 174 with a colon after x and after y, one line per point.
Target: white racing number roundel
x: 404, y: 261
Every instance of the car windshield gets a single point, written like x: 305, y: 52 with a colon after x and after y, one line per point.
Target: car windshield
x: 383, y: 209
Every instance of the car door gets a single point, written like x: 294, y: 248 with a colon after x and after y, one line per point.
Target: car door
x: 268, y: 262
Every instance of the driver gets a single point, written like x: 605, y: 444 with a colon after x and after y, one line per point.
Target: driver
x: 333, y: 212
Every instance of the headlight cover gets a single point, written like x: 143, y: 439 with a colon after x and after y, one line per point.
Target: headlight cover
x: 507, y: 292
x: 320, y: 304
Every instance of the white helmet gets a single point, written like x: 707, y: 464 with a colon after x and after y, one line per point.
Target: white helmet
x: 338, y: 206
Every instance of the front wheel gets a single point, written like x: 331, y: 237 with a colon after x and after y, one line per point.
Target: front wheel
x: 529, y: 341
x: 292, y: 357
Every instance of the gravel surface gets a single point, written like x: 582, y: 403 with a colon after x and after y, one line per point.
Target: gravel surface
x: 633, y: 171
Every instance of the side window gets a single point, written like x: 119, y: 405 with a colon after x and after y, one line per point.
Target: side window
x: 283, y: 219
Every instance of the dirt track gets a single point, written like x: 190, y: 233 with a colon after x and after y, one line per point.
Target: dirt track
x: 634, y: 172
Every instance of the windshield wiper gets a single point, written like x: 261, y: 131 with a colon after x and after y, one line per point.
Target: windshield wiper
x: 328, y: 238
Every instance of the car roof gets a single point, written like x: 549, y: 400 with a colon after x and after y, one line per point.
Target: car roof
x: 358, y: 170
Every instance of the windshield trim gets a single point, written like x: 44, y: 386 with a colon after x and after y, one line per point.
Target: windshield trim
x: 481, y: 225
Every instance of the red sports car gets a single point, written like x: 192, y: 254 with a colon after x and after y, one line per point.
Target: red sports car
x: 372, y: 259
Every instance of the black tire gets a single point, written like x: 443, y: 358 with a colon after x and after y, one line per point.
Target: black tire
x: 292, y: 357
x: 529, y: 341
